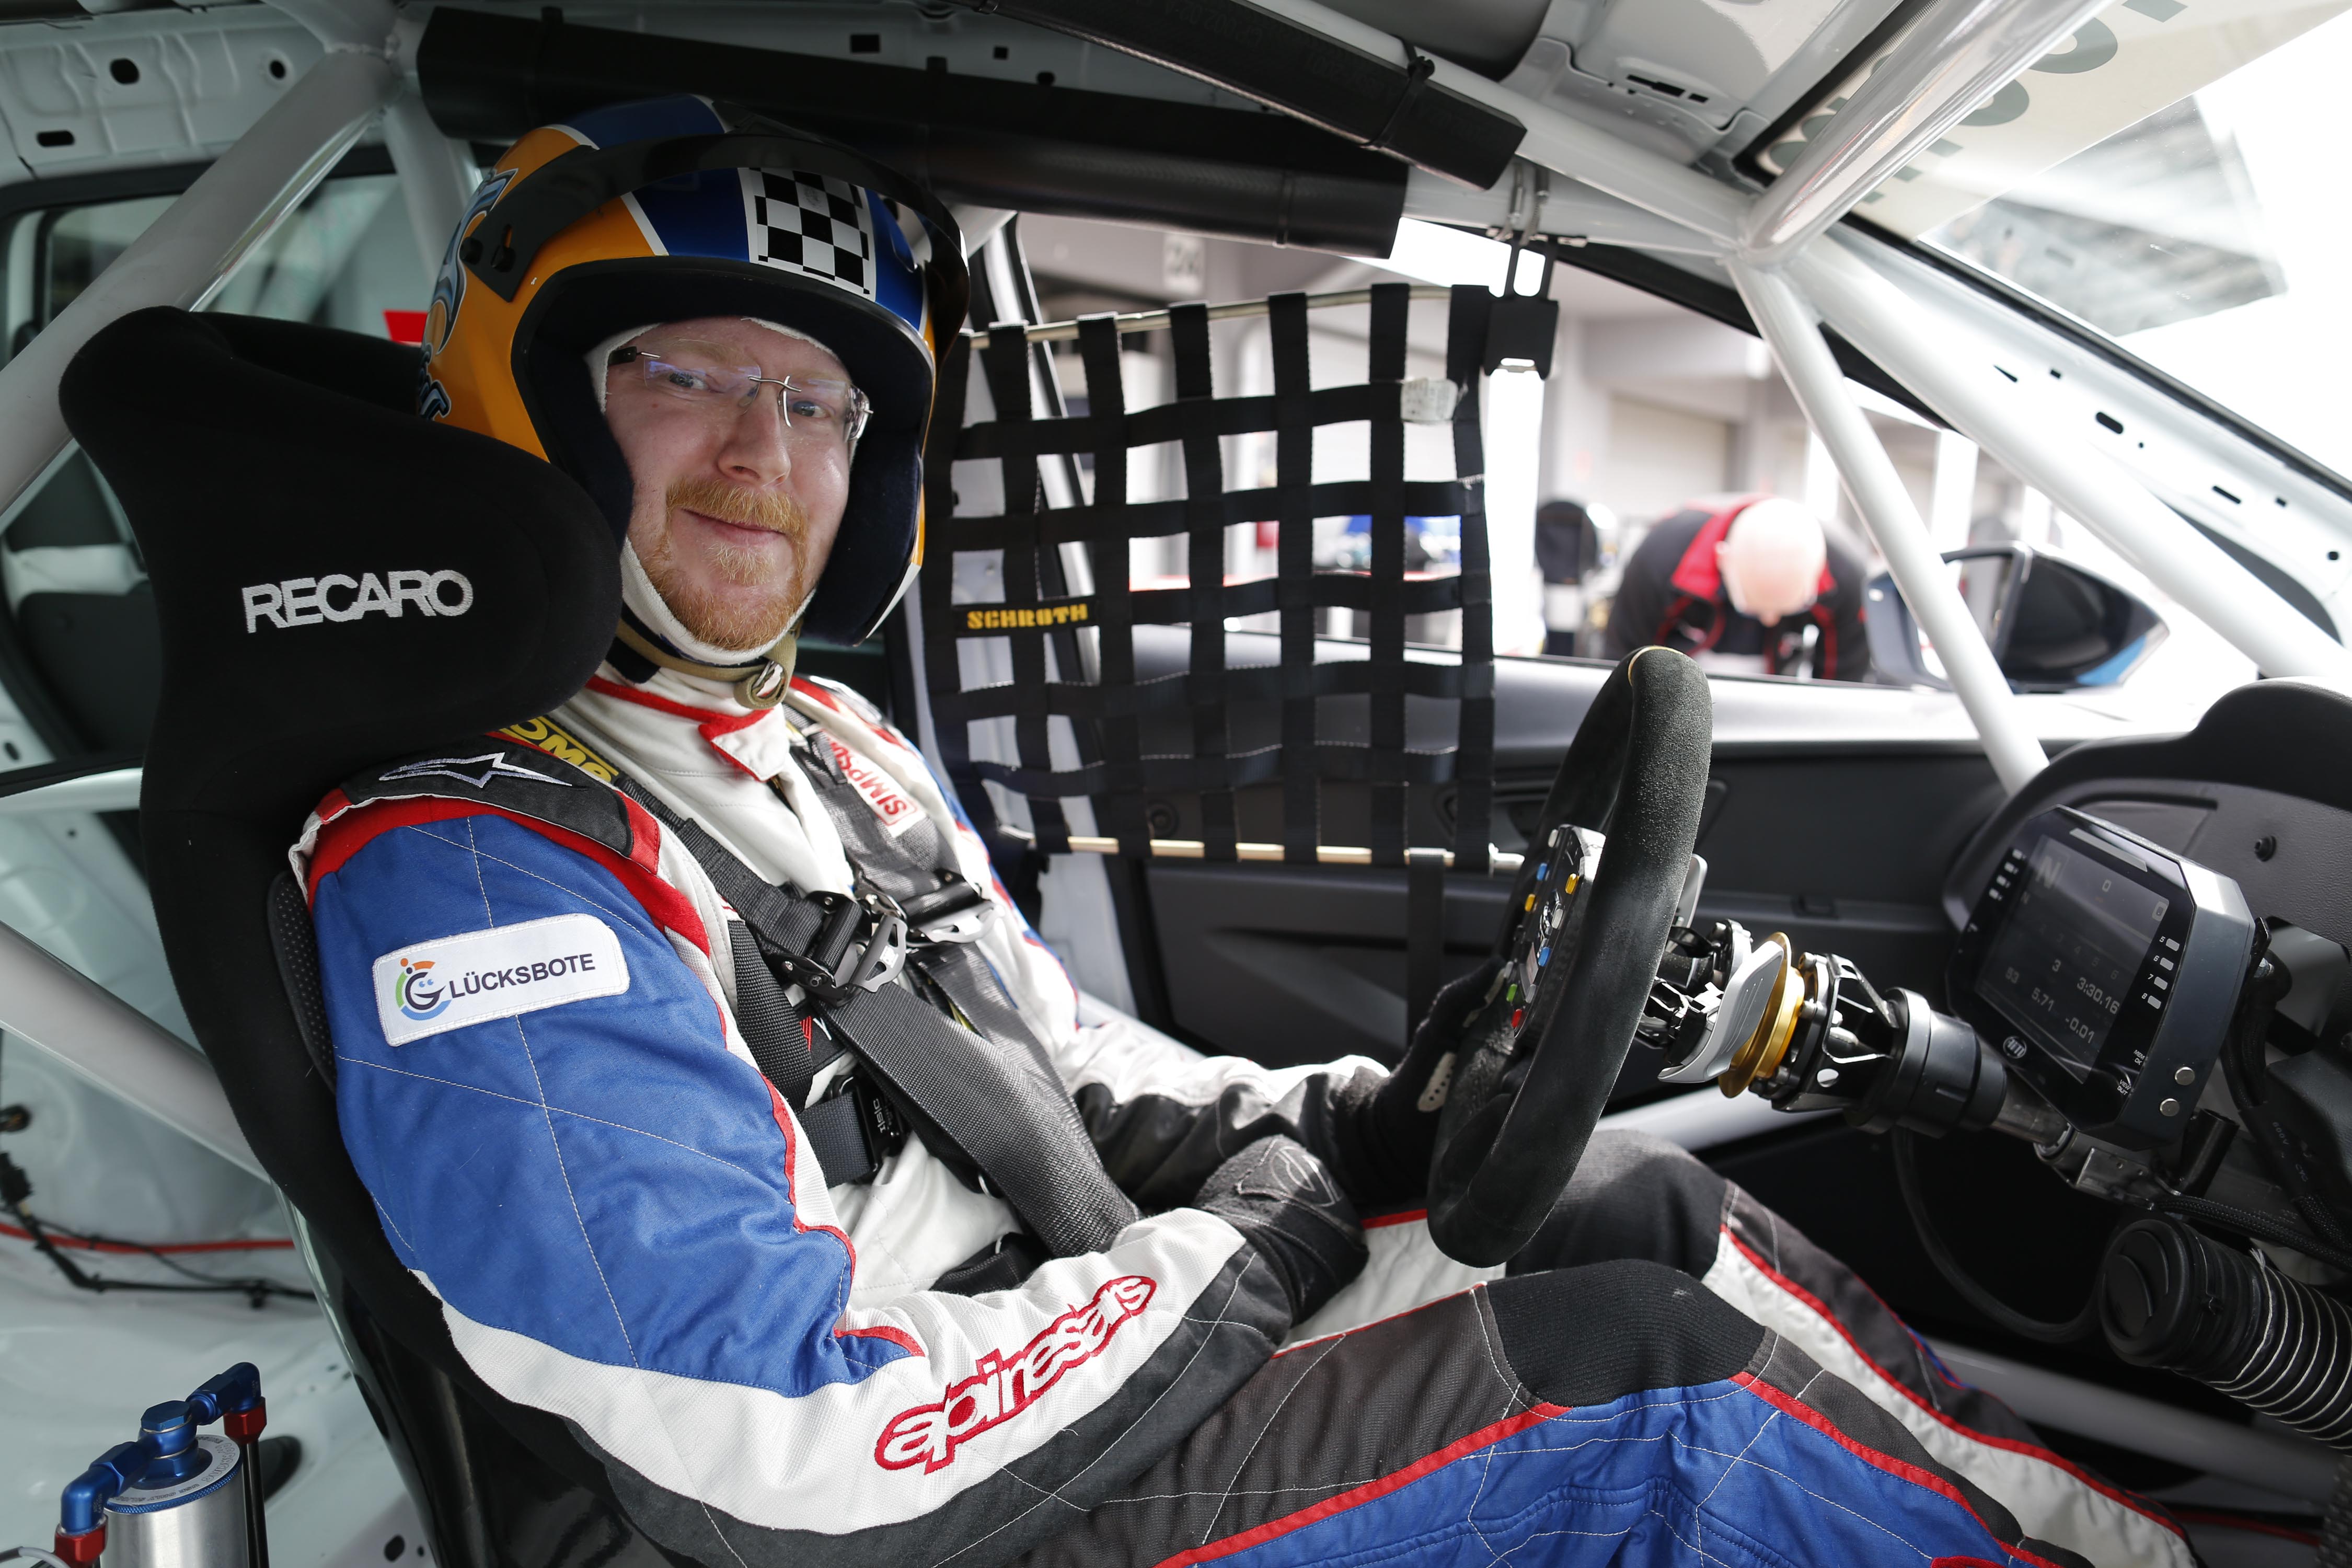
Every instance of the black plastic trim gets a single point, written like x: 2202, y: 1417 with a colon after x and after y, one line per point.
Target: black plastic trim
x: 1258, y: 53
x: 1028, y: 147
x: 2290, y: 738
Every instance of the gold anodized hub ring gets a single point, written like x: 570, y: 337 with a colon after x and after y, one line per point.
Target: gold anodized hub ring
x: 1760, y: 1054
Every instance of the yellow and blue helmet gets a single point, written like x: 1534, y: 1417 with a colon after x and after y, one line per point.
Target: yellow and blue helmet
x: 677, y: 208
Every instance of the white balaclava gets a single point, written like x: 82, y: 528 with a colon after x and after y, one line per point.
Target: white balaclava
x: 638, y: 590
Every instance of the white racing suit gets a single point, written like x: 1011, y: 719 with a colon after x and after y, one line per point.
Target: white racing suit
x: 541, y: 1082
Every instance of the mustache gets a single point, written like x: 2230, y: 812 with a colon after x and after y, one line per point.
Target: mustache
x: 776, y: 512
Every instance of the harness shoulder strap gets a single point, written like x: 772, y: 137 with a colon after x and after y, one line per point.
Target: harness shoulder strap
x: 988, y: 1093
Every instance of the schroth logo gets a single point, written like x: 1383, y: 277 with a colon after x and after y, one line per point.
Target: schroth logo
x: 308, y: 601
x: 1002, y: 1386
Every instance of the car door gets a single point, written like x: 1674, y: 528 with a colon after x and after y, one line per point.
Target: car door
x: 1833, y: 813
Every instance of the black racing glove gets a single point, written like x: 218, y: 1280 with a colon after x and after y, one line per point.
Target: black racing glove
x: 1287, y: 1206
x: 1384, y: 1128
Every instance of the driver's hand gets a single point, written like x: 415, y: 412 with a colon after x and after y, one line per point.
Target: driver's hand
x: 1294, y: 1215
x: 1384, y: 1130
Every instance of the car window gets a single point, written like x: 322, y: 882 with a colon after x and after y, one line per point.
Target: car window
x: 2164, y: 177
x: 1650, y: 411
x: 80, y: 665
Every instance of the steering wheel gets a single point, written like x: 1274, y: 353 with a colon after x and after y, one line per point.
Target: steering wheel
x: 1589, y: 918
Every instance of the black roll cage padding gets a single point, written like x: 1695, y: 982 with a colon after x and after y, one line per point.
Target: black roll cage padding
x: 569, y: 187
x: 1516, y: 1122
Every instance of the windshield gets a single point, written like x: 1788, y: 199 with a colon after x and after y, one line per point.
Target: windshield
x: 2169, y: 177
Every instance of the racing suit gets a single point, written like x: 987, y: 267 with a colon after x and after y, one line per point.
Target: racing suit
x: 541, y: 1080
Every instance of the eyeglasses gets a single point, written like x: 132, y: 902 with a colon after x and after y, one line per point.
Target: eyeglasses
x: 814, y: 410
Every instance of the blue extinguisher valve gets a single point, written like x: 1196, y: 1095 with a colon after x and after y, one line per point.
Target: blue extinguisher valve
x: 170, y: 1428
x: 82, y: 1511
x: 232, y: 1392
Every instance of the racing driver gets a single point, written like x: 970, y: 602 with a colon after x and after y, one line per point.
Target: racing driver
x: 761, y: 1143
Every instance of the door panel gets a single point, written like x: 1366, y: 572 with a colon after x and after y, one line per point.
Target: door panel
x: 1834, y: 816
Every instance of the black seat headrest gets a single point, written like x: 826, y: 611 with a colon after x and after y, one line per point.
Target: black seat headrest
x: 338, y: 580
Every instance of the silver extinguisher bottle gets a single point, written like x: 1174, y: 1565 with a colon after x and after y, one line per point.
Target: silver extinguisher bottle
x: 179, y: 1496
x: 187, y: 1509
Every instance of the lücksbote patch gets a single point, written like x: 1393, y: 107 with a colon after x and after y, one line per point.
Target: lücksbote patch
x: 432, y: 987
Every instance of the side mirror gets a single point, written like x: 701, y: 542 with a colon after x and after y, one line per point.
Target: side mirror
x: 2051, y: 625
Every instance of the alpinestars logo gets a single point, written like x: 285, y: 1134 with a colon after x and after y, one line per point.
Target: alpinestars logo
x: 1002, y: 1386
x: 480, y: 771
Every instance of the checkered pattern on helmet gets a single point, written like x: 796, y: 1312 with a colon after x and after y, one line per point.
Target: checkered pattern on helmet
x: 813, y: 224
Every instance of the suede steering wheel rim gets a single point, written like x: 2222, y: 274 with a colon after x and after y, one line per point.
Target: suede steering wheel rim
x: 1523, y: 1101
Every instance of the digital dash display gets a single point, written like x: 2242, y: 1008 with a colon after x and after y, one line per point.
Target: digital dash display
x: 2062, y: 965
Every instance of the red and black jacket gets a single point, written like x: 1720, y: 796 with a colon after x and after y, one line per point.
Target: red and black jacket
x: 1672, y: 594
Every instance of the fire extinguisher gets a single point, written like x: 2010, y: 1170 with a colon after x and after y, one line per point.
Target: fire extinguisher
x: 177, y: 1498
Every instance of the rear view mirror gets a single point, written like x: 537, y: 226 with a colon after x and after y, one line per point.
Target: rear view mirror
x: 2051, y: 625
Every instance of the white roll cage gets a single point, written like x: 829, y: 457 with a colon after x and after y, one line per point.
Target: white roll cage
x: 1795, y: 267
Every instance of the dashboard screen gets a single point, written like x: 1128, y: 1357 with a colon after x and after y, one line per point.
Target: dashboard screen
x: 2063, y: 964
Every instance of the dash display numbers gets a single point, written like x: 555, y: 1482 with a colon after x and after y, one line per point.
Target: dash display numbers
x: 2062, y: 965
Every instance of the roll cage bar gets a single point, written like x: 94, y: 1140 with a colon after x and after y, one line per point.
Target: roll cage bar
x: 1797, y: 267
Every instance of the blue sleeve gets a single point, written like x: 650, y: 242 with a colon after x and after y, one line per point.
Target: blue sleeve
x: 538, y: 1083
x: 599, y: 1175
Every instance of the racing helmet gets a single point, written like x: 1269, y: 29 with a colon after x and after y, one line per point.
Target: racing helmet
x: 679, y: 207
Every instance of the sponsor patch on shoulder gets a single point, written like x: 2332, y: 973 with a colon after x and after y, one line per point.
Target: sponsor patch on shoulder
x: 432, y: 987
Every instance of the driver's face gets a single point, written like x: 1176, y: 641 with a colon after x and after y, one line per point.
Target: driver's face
x: 735, y: 510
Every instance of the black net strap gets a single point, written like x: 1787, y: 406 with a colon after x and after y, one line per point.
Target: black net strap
x: 1389, y: 303
x: 942, y: 654
x: 1204, y: 520
x: 1114, y: 712
x: 1005, y: 362
x: 1294, y: 488
x: 1474, y: 765
x: 1119, y: 805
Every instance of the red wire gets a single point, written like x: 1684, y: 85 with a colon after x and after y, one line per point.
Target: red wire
x: 78, y: 1244
x: 2238, y: 1522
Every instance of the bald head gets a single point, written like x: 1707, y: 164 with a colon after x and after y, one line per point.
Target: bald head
x: 1771, y: 560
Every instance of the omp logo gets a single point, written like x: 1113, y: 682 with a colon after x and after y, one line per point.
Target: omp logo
x: 549, y: 736
x: 307, y: 601
x: 1002, y: 1386
x: 414, y: 991
x: 431, y: 987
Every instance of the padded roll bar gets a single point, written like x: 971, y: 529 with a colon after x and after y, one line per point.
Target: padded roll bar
x: 186, y: 254
x: 48, y: 1004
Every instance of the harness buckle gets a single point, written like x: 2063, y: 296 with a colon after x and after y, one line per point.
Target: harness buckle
x: 848, y: 953
x: 957, y: 911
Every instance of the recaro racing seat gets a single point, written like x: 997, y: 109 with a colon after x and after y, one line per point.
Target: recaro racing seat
x: 260, y: 461
x: 340, y: 581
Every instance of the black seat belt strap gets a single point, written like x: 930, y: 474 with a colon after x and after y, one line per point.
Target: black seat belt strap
x: 997, y: 1100
x: 851, y: 1133
x: 770, y: 1025
x: 1015, y: 1122
x: 1424, y: 934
